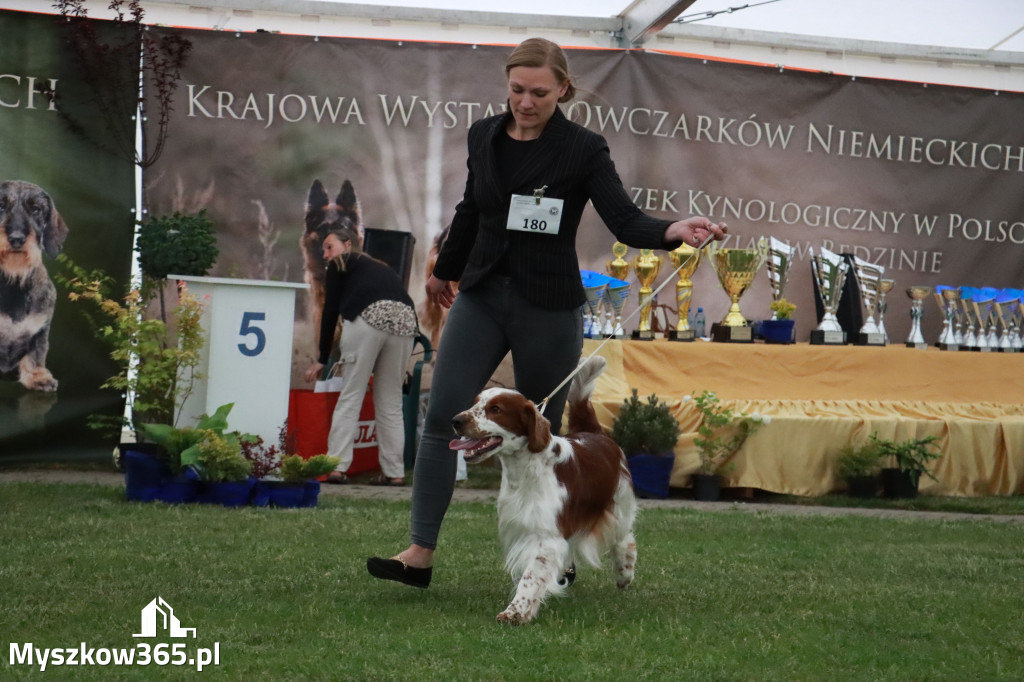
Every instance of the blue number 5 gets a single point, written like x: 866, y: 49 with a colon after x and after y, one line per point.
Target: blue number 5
x: 249, y: 328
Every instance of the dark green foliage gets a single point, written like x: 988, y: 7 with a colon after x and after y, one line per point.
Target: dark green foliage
x: 645, y: 427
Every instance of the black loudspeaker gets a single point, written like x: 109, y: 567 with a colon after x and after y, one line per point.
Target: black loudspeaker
x: 392, y: 247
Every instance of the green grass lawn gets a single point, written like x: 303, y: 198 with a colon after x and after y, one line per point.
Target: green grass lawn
x: 729, y: 595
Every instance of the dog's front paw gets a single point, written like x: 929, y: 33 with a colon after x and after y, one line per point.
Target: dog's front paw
x: 513, y: 617
x: 624, y: 583
x: 38, y: 379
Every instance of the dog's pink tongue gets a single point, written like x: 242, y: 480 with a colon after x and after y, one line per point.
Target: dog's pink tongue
x: 464, y: 443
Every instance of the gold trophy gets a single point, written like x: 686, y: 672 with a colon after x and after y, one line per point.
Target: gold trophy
x: 646, y: 266
x: 615, y: 296
x: 735, y: 269
x: 685, y: 259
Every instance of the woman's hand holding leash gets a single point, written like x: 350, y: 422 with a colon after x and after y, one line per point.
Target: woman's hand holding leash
x: 695, y: 231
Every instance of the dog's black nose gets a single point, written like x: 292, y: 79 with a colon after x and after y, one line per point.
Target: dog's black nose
x: 459, y: 421
x: 16, y: 240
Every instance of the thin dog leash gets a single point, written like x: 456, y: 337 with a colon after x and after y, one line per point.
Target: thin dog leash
x: 653, y: 295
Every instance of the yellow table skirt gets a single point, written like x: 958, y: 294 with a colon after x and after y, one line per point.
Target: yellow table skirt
x: 973, y: 403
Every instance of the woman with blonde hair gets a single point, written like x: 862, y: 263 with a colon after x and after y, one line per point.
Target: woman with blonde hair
x: 512, y: 250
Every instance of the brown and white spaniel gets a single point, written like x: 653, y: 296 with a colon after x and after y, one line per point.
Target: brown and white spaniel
x: 562, y: 500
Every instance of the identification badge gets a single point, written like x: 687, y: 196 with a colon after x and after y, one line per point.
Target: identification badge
x: 539, y: 215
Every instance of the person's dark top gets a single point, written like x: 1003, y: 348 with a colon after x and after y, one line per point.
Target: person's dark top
x: 574, y: 164
x: 365, y: 281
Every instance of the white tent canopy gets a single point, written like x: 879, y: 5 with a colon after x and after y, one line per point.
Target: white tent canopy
x: 975, y: 44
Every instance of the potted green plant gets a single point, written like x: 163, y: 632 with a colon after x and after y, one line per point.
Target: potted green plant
x: 223, y: 469
x: 647, y: 433
x: 859, y: 466
x: 779, y: 329
x: 907, y: 459
x: 722, y: 432
x: 299, y: 475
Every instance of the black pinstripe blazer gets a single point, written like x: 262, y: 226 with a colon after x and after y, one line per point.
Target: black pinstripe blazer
x: 576, y: 166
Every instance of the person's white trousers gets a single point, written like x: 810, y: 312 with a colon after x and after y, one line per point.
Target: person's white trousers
x: 367, y: 351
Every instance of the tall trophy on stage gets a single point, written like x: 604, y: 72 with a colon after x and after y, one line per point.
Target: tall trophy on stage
x: 829, y: 271
x: 618, y: 291
x: 780, y: 258
x: 594, y: 285
x: 948, y: 300
x: 982, y: 304
x: 735, y: 269
x: 1003, y: 307
x: 646, y: 266
x: 884, y: 287
x: 917, y: 296
x: 1016, y: 308
x: 685, y: 259
x: 869, y: 278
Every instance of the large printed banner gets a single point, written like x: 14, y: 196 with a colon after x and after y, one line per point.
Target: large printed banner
x: 62, y: 148
x: 922, y: 180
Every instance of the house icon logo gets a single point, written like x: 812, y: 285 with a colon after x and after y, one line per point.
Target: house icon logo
x: 159, y: 613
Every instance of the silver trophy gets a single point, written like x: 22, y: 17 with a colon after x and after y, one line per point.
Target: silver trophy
x: 1003, y: 307
x: 970, y: 340
x: 869, y: 278
x: 595, y: 286
x: 1016, y: 318
x: 884, y: 287
x: 780, y: 258
x: 983, y: 304
x: 948, y: 299
x: 617, y: 293
x: 830, y: 273
x: 917, y: 296
x: 993, y: 317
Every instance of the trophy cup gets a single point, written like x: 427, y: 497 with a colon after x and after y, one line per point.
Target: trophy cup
x: 829, y: 271
x: 869, y: 277
x: 970, y: 341
x: 1016, y: 318
x: 685, y: 259
x: 595, y: 285
x: 947, y: 297
x: 1003, y: 308
x: 884, y: 287
x: 617, y: 293
x: 735, y: 269
x: 615, y: 297
x: 917, y: 296
x: 780, y: 258
x: 982, y: 304
x: 646, y: 266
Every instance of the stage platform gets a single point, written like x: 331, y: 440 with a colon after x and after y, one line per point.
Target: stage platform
x: 820, y: 398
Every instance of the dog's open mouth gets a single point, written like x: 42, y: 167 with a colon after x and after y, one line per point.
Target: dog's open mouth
x: 473, y: 448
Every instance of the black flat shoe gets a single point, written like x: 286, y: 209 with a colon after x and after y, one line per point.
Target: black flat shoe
x: 399, y: 571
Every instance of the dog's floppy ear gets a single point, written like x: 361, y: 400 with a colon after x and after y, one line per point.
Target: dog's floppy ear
x: 538, y: 429
x: 54, y: 234
x: 317, y: 197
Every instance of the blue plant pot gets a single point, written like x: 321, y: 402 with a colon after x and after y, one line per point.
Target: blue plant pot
x: 651, y: 474
x: 311, y: 493
x: 778, y: 331
x: 144, y: 474
x: 178, y: 490
x: 226, y: 493
x: 287, y: 495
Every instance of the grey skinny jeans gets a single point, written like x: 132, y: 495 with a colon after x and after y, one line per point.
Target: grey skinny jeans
x: 483, y: 326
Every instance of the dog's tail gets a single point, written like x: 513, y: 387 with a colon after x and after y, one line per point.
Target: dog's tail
x: 582, y: 418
